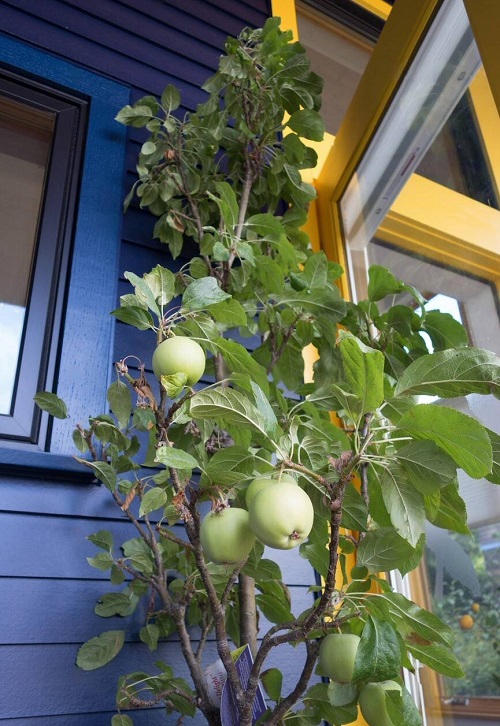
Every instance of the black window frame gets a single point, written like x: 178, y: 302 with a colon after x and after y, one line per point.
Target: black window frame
x: 37, y: 367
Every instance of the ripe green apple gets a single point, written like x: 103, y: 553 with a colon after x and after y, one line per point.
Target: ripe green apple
x: 261, y: 482
x: 337, y: 654
x: 226, y: 536
x: 281, y: 515
x: 179, y: 355
x: 372, y: 702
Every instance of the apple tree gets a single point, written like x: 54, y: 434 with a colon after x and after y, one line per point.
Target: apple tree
x: 255, y: 457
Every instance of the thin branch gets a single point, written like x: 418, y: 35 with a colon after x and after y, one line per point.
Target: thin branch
x: 283, y: 707
x: 232, y: 579
x: 167, y: 534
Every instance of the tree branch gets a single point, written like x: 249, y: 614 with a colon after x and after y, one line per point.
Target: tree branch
x: 283, y: 707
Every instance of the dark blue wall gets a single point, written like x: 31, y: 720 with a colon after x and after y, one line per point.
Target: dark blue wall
x: 47, y: 590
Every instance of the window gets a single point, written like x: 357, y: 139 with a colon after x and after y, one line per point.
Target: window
x: 40, y: 148
x: 70, y: 269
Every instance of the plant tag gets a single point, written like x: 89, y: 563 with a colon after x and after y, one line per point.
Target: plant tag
x: 228, y: 710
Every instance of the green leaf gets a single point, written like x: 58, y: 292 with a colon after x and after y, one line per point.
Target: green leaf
x: 149, y: 635
x: 143, y: 292
x: 135, y: 316
x: 229, y: 466
x: 162, y: 283
x: 452, y: 512
x: 176, y: 458
x: 364, y: 371
x: 265, y: 225
x: 153, y: 499
x: 401, y: 709
x: 202, y: 293
x: 229, y: 405
x: 381, y: 282
x: 239, y: 360
x: 438, y: 657
x: 461, y: 436
x: 98, y: 651
x: 229, y: 312
x: 170, y: 98
x: 103, y: 471
x: 315, y: 270
x: 403, y: 502
x: 452, y: 373
x: 342, y: 694
x: 262, y: 571
x: 121, y: 719
x: 428, y: 467
x: 317, y: 555
x: 494, y: 476
x: 173, y: 384
x: 272, y: 680
x: 378, y: 656
x: 102, y: 539
x: 274, y: 609
x: 416, y: 619
x: 444, y: 331
x: 51, y: 403
x: 114, y: 603
x: 319, y: 707
x: 120, y: 402
x: 382, y: 550
x: 326, y: 302
x: 264, y: 408
x: 269, y: 273
x: 308, y: 124
x: 229, y: 207
x: 354, y: 510
x: 102, y: 561
x: 137, y: 116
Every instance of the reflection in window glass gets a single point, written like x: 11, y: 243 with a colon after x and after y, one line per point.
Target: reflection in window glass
x: 25, y: 137
x: 465, y: 594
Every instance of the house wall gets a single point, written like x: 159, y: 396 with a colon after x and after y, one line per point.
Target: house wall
x: 47, y: 590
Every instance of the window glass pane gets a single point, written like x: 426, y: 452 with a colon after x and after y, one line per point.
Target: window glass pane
x: 25, y: 138
x: 461, y: 574
x: 339, y: 57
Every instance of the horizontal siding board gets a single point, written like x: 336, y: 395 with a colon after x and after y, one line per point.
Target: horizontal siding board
x: 56, y: 686
x: 130, y: 22
x: 94, y: 30
x: 97, y: 57
x: 253, y: 15
x: 62, y: 611
x: 144, y: 717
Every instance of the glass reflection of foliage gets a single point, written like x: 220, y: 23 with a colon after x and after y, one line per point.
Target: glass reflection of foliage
x: 478, y: 647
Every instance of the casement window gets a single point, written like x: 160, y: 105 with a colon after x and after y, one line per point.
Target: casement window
x: 61, y: 172
x: 409, y: 179
x: 41, y: 142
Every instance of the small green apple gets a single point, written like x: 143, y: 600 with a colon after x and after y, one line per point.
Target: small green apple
x: 337, y: 654
x: 261, y: 482
x: 226, y: 536
x: 281, y: 515
x: 372, y: 702
x: 179, y: 355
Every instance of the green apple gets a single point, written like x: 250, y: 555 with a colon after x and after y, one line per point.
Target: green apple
x: 179, y: 355
x: 337, y: 654
x: 281, y: 515
x: 226, y: 536
x: 372, y: 702
x: 261, y: 482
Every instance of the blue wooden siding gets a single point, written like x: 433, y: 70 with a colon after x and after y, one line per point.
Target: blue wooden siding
x: 47, y: 591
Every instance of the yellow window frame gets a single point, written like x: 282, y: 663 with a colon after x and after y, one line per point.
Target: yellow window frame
x: 426, y: 218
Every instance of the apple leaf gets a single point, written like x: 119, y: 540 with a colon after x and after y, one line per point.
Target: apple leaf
x: 176, y: 458
x: 438, y: 657
x: 461, y: 436
x: 381, y: 282
x: 229, y: 405
x: 427, y: 466
x: 382, y: 550
x: 98, y: 651
x: 403, y: 502
x: 153, y: 499
x: 401, y: 709
x: 452, y: 373
x: 378, y: 655
x: 202, y: 293
x: 120, y: 402
x: 51, y: 403
x: 364, y: 371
